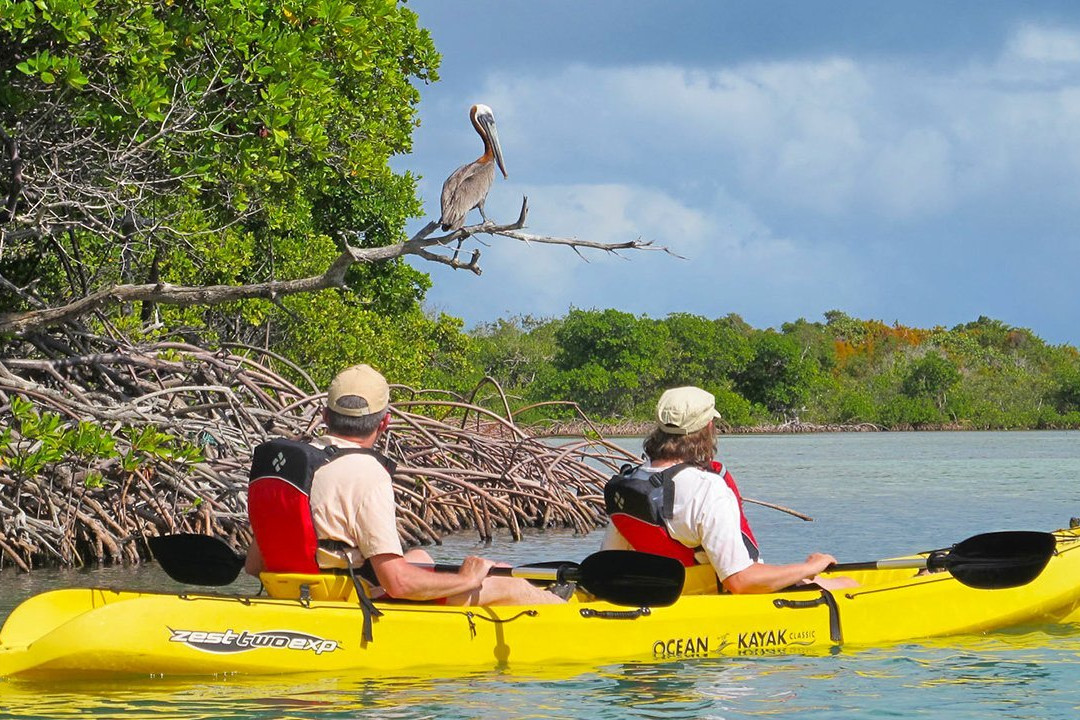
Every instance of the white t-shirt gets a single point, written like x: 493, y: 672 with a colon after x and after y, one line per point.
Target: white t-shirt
x: 705, y: 514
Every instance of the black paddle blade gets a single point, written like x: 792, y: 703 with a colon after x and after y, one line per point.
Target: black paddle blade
x: 625, y: 577
x: 196, y: 559
x: 997, y: 560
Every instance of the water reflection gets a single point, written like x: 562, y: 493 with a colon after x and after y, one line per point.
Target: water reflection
x: 1027, y: 674
x: 636, y: 691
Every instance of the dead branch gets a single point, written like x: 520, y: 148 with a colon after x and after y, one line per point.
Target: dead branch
x: 23, y: 323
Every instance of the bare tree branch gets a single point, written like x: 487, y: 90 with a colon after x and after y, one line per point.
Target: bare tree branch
x: 420, y: 245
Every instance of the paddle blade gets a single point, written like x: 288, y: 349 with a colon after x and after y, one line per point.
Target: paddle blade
x: 625, y: 577
x: 997, y: 560
x: 196, y: 559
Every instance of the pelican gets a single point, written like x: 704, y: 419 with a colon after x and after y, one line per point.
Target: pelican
x: 468, y: 186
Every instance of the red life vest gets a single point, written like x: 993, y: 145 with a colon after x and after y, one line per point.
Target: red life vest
x: 279, y: 505
x: 639, y: 501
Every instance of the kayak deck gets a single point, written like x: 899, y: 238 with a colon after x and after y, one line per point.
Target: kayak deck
x: 95, y: 631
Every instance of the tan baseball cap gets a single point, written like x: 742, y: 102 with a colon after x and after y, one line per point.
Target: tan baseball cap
x: 685, y: 410
x: 364, y: 382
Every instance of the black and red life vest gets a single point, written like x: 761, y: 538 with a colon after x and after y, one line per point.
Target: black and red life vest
x: 279, y: 504
x: 639, y: 501
x: 744, y: 525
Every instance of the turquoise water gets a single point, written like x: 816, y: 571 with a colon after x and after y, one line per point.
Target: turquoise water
x: 871, y: 496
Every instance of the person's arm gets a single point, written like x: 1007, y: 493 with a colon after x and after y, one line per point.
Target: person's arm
x: 405, y: 581
x: 763, y: 578
x: 253, y: 563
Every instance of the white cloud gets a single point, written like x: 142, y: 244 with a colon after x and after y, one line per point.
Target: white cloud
x: 898, y: 188
x: 1044, y: 44
x: 730, y: 259
x: 827, y: 136
x: 914, y: 174
x: 551, y: 277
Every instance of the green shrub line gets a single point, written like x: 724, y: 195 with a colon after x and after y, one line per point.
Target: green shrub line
x: 841, y: 374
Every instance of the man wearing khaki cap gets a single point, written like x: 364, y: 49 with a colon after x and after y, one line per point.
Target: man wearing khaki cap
x: 685, y: 505
x: 354, y: 512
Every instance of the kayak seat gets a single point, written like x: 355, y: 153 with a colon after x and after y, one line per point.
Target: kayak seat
x: 315, y: 586
x: 701, y: 580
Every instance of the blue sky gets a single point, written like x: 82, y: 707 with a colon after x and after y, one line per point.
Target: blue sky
x: 913, y: 162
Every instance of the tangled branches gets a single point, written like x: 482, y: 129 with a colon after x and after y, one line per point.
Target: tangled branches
x: 126, y: 444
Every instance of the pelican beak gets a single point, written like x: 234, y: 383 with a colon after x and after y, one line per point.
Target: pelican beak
x: 488, y: 122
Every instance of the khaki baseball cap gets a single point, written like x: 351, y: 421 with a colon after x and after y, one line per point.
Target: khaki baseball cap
x: 364, y: 382
x: 685, y: 410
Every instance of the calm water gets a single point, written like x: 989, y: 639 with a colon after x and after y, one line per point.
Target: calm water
x: 871, y: 495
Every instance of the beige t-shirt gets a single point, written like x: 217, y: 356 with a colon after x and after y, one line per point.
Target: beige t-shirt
x: 352, y: 501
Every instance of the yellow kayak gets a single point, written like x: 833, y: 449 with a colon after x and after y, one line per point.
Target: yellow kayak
x: 99, y: 631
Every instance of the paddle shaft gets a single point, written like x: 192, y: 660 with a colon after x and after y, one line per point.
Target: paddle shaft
x: 565, y: 572
x: 622, y: 577
x: 898, y: 563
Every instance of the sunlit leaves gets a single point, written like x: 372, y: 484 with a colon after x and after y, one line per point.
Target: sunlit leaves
x: 845, y: 371
x: 237, y: 141
x: 39, y: 439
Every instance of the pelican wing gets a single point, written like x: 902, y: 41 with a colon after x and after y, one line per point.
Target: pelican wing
x: 465, y: 189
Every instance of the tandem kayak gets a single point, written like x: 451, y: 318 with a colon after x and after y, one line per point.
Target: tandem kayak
x: 97, y: 631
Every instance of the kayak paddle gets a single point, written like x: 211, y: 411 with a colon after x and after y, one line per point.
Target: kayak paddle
x: 622, y: 577
x: 991, y: 561
x: 195, y: 559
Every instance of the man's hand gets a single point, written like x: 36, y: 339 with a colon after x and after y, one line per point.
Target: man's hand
x: 819, y: 562
x: 475, y: 568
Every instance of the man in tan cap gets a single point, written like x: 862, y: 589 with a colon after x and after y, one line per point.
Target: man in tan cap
x: 683, y: 504
x: 354, y: 512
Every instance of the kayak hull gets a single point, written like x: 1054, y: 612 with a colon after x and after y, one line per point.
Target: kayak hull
x: 95, y: 631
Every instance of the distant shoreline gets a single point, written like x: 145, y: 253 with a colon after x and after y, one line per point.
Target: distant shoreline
x: 639, y: 429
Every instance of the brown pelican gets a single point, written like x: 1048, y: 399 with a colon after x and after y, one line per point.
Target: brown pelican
x: 468, y: 186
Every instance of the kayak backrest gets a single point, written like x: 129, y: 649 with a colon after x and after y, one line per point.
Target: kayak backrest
x: 319, y: 586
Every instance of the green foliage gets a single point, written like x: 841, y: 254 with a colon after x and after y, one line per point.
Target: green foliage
x: 1066, y: 389
x: 847, y: 371
x: 932, y: 376
x: 903, y: 410
x: 844, y: 401
x: 410, y: 347
x: 517, y: 351
x: 779, y: 375
x: 242, y: 141
x: 844, y: 327
x: 702, y: 350
x: 607, y: 361
x: 815, y: 339
x: 45, y: 439
x: 735, y: 410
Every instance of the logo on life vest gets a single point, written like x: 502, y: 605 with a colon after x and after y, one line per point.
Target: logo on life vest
x: 231, y: 641
x: 279, y: 461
